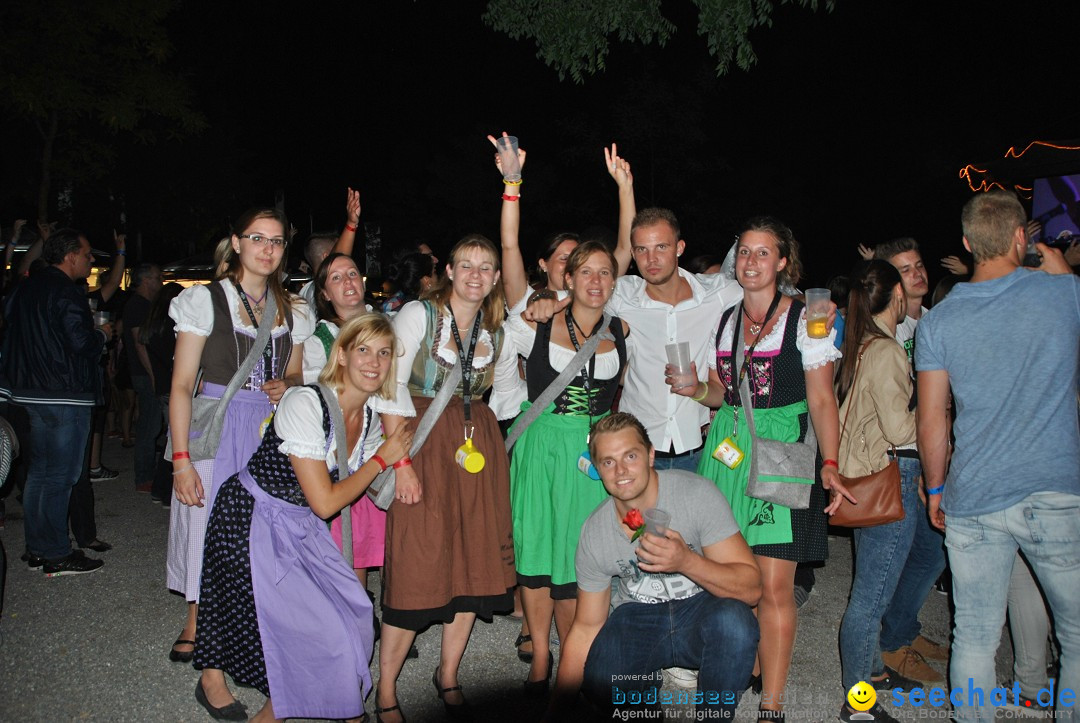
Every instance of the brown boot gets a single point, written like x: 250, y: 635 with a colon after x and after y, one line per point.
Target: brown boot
x: 909, y: 663
x: 929, y: 649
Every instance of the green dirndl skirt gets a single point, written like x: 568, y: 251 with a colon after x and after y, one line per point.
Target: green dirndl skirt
x: 550, y: 498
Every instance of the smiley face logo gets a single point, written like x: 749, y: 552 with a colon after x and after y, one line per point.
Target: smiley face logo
x: 862, y: 696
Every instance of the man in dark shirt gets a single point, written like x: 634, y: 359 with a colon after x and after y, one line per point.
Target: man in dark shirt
x: 145, y: 284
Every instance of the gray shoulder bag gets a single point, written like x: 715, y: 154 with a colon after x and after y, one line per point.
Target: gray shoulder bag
x: 559, y: 383
x: 382, y: 489
x: 338, y: 419
x: 208, y: 415
x: 780, y: 472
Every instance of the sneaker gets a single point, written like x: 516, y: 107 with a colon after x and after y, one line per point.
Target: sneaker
x: 74, y: 564
x: 681, y: 678
x: 909, y: 663
x: 876, y: 714
x: 944, y: 583
x: 802, y: 595
x: 102, y: 474
x: 33, y: 561
x: 930, y: 649
x: 893, y: 680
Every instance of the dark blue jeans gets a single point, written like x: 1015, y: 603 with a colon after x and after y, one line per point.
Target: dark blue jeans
x: 148, y: 430
x: 58, y: 438
x: 717, y: 636
x: 881, y: 555
x: 925, y: 562
x: 686, y: 461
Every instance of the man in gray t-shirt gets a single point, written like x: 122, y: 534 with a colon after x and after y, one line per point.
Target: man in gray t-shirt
x: 683, y: 599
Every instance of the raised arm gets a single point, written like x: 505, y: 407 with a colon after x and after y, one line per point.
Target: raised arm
x: 116, y: 273
x: 619, y: 169
x: 347, y: 240
x: 514, y: 276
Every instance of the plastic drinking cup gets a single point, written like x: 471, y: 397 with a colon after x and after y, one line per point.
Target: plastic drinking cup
x: 817, y: 313
x: 507, y: 147
x: 656, y: 521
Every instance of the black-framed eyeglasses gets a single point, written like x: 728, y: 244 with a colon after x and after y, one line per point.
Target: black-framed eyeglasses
x: 260, y: 240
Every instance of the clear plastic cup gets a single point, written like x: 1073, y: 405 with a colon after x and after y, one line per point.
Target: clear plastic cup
x: 678, y: 356
x: 507, y: 146
x: 656, y: 521
x: 817, y: 313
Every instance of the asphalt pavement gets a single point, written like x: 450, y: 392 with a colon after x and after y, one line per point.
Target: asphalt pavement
x: 95, y: 647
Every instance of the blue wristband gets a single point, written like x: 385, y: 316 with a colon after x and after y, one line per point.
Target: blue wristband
x: 936, y: 490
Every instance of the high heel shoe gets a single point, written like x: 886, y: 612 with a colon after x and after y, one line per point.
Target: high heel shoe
x: 523, y: 655
x: 456, y: 711
x: 538, y: 688
x: 389, y: 709
x: 233, y: 711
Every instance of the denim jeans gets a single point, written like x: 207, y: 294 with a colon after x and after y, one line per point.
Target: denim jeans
x: 58, y: 437
x: 925, y: 562
x: 880, y: 556
x: 982, y: 551
x: 717, y: 636
x: 148, y: 430
x: 687, y: 461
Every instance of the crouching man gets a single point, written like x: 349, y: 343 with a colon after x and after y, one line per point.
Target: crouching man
x: 683, y: 599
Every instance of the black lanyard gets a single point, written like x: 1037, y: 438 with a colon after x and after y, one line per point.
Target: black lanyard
x: 466, y: 357
x: 736, y: 338
x: 588, y: 372
x: 268, y: 350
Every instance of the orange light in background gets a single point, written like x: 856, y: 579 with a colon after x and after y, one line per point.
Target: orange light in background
x: 1012, y: 151
x: 973, y: 175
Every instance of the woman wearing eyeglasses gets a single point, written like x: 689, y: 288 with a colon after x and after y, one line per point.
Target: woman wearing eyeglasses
x: 216, y: 325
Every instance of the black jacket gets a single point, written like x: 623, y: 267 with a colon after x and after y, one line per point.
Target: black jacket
x: 51, y: 349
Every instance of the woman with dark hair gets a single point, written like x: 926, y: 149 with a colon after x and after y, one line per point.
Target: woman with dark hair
x: 216, y: 325
x: 449, y: 547
x: 411, y: 276
x: 874, y: 387
x: 790, y: 378
x: 280, y: 609
x: 550, y: 494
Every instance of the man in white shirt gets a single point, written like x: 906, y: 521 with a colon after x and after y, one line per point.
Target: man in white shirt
x: 667, y: 305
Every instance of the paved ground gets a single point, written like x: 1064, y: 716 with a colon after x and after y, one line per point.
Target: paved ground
x: 94, y: 647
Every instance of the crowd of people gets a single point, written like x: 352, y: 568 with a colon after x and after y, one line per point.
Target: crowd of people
x: 509, y: 442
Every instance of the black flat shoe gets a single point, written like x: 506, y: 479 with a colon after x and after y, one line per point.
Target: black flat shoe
x: 754, y: 684
x: 182, y: 656
x: 456, y: 711
x: 233, y: 711
x: 770, y: 716
x: 539, y: 688
x: 523, y: 656
x: 389, y: 709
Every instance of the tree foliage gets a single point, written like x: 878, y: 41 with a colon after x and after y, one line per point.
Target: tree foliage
x: 81, y: 73
x: 574, y: 37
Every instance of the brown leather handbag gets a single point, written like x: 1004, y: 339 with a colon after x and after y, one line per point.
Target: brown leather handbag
x: 878, y: 493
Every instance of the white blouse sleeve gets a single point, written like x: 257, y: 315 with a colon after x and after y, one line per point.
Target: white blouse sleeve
x: 409, y: 327
x: 509, y: 389
x: 815, y: 352
x: 303, y: 320
x: 314, y: 359
x: 298, y: 422
x: 193, y: 310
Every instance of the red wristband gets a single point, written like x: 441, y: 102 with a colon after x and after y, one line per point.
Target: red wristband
x: 180, y: 455
x: 403, y: 462
x: 349, y: 228
x: 379, y: 461
x: 508, y: 197
x: 830, y: 463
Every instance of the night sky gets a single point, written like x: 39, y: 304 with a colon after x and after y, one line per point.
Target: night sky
x: 851, y: 128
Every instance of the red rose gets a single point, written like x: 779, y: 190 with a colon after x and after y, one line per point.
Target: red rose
x: 635, y: 522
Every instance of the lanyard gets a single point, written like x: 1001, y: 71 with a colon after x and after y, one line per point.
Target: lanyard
x: 736, y: 338
x: 588, y: 372
x: 465, y: 358
x: 268, y: 350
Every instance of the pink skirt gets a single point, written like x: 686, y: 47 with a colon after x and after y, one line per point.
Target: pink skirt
x: 368, y: 533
